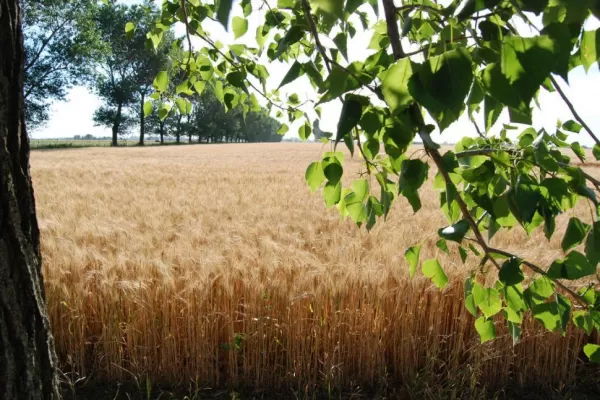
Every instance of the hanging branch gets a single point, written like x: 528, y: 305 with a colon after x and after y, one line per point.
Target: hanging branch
x: 432, y: 149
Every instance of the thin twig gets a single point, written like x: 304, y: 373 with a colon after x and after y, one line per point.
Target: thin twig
x: 187, y: 32
x: 540, y: 271
x: 315, y: 33
x: 573, y: 110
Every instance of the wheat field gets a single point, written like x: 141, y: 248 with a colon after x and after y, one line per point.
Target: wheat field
x: 216, y: 265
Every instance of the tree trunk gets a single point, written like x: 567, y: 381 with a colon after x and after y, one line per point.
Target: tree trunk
x: 178, y: 131
x: 116, y: 124
x: 162, y: 132
x: 27, y: 358
x: 142, y: 120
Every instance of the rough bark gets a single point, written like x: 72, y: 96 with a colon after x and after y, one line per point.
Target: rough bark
x: 142, y: 120
x: 27, y: 357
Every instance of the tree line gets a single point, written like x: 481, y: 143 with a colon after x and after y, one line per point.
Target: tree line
x: 106, y: 47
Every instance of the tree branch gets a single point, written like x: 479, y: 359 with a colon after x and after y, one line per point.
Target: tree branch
x: 187, y: 31
x: 540, y: 271
x: 573, y: 111
x: 45, y: 43
x: 430, y: 147
x: 487, y: 152
x: 315, y: 33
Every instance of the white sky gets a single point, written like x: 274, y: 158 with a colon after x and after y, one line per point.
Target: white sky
x: 74, y: 116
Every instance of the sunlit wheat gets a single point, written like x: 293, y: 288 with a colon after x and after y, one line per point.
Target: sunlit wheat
x: 215, y: 264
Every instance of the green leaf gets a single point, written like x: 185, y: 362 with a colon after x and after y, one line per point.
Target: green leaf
x: 589, y: 50
x: 148, y: 108
x: 361, y: 189
x: 295, y: 71
x: 526, y: 63
x: 354, y: 202
x: 163, y: 111
x: 286, y: 4
x: 463, y: 254
x: 596, y: 152
x: 441, y: 85
x: 240, y: 26
x: 548, y: 315
x: 578, y: 150
x: 592, y: 245
x: 182, y: 105
x: 314, y: 175
x: 511, y: 273
x: 486, y: 329
x: 572, y: 126
x: 237, y: 79
x: 561, y: 35
x: 395, y: 86
x: 456, y: 232
x: 575, y: 233
x: 583, y: 320
x: 574, y: 266
x: 514, y: 297
x: 592, y: 351
x: 337, y: 83
x: 433, y: 270
x: 332, y: 193
x: 512, y: 315
x: 469, y: 301
x: 332, y: 169
x: 219, y: 91
x: 183, y: 87
x: 412, y: 256
x: 470, y: 7
x: 442, y: 245
x: 261, y: 36
x: 523, y: 199
x: 304, y: 131
x: 199, y: 87
x: 129, y: 30
x: 223, y: 11
x: 351, y: 113
x: 283, y: 129
x: 332, y: 7
x: 539, y: 291
x: 412, y: 176
x: 341, y: 41
x: 161, y: 81
x: 487, y: 299
x: 515, y: 331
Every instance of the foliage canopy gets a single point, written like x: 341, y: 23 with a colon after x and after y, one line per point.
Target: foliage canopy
x: 428, y: 65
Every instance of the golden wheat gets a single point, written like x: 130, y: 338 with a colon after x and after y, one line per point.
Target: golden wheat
x: 215, y: 264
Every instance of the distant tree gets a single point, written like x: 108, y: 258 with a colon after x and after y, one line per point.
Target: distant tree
x: 260, y: 127
x: 155, y: 125
x: 118, y: 119
x: 123, y: 73
x: 148, y: 61
x: 61, y: 46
